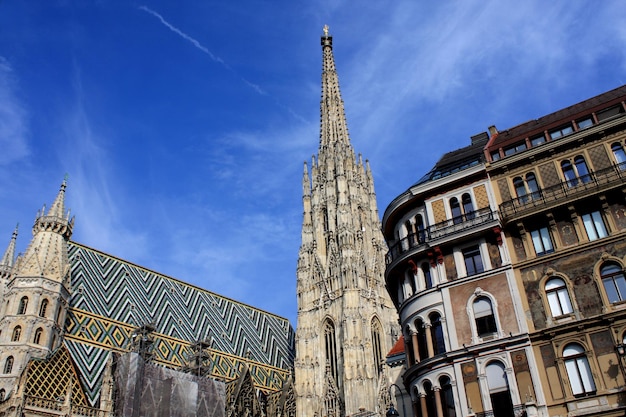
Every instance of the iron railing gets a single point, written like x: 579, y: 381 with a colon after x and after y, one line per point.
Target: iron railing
x: 438, y: 231
x: 563, y: 191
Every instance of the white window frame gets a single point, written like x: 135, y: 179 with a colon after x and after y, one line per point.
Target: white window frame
x: 558, y: 297
x: 594, y: 225
x: 578, y: 370
x: 540, y: 237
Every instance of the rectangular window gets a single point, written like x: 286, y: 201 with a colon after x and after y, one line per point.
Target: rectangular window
x: 473, y: 261
x: 514, y: 149
x: 495, y: 155
x: 542, y: 241
x: 585, y: 123
x: 608, y: 113
x: 594, y: 225
x: 565, y: 130
x: 538, y: 140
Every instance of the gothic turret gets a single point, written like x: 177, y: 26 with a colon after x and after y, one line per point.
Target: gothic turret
x: 8, y: 260
x: 346, y: 321
x: 36, y: 294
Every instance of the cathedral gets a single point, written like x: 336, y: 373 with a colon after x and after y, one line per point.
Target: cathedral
x: 85, y: 333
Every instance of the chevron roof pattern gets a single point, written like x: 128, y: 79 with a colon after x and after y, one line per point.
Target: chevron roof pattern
x: 111, y: 297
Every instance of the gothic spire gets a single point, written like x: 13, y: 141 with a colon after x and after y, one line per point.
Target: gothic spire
x: 8, y: 259
x: 334, y: 128
x: 56, y: 219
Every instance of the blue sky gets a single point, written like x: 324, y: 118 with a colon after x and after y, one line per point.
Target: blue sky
x: 183, y: 126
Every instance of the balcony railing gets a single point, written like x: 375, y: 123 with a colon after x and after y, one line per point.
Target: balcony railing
x: 438, y: 231
x: 564, y: 191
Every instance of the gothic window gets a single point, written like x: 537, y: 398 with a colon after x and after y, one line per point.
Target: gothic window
x: 542, y: 242
x: 8, y: 365
x: 23, y: 305
x: 473, y: 260
x: 578, y: 370
x: 484, y: 317
x: 17, y: 333
x: 43, y: 308
x: 377, y: 342
x: 619, y: 154
x: 594, y: 225
x: 614, y: 282
x: 37, y: 337
x: 499, y: 393
x: 455, y: 209
x: 558, y: 297
x: 447, y: 397
x: 331, y: 348
x: 428, y: 280
x: 436, y: 333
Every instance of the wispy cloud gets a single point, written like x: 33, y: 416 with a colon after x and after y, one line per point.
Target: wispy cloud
x: 13, y: 118
x: 202, y: 48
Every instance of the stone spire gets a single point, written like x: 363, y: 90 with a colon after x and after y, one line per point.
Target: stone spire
x: 342, y: 301
x: 47, y: 253
x: 8, y: 259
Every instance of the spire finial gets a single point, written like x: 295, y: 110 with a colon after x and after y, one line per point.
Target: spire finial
x: 325, y: 29
x: 8, y: 259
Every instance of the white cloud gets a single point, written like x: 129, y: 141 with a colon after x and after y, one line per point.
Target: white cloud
x: 13, y: 118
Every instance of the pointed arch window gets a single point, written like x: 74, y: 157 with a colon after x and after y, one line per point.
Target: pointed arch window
x: 436, y: 332
x: 330, y: 345
x: 377, y: 343
x: 558, y: 297
x: 578, y: 370
x: 17, y: 333
x: 484, y: 317
x: 614, y: 282
x: 619, y: 154
x: 43, y: 307
x: 37, y: 337
x: 23, y: 305
x: 8, y: 365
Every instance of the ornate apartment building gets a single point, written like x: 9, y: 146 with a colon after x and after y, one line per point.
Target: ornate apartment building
x: 507, y: 264
x: 467, y: 350
x: 560, y: 184
x: 346, y: 321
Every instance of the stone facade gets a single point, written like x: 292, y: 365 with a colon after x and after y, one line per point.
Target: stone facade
x: 346, y: 321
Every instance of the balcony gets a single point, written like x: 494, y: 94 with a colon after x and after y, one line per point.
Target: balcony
x: 564, y: 192
x: 440, y: 231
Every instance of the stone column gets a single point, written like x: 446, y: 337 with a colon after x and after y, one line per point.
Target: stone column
x: 416, y: 351
x: 429, y: 340
x: 438, y: 401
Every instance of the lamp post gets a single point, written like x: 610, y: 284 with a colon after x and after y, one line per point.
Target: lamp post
x: 392, y: 412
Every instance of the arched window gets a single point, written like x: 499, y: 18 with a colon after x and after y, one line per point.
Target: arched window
x: 619, y: 154
x: 23, y: 305
x: 377, y: 343
x: 17, y: 333
x: 613, y: 281
x: 468, y: 207
x: 436, y: 333
x: 520, y: 189
x: 37, y: 337
x: 422, y: 344
x: 43, y: 308
x: 428, y: 280
x: 501, y: 402
x: 484, y: 317
x: 419, y: 225
x: 578, y: 370
x: 455, y: 209
x: 431, y: 402
x: 331, y: 348
x: 558, y: 297
x: 447, y: 397
x: 533, y: 187
x: 581, y: 168
x: 8, y: 365
x: 568, y: 173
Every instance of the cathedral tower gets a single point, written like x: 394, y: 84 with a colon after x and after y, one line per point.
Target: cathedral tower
x: 35, y: 294
x: 346, y: 321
